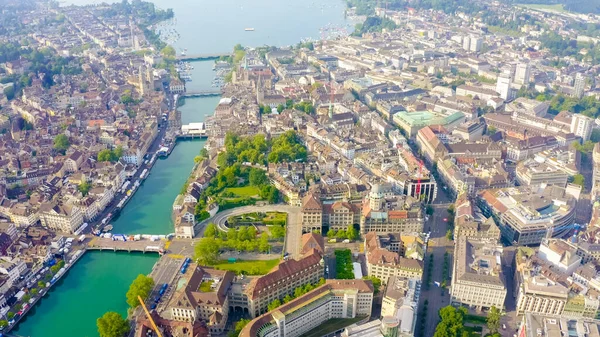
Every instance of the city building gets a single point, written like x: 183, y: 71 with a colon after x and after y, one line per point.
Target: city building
x: 503, y: 86
x: 477, y: 277
x: 532, y: 172
x: 581, y: 126
x: 394, y: 255
x: 64, y: 218
x: 537, y: 288
x: 560, y: 254
x: 527, y: 214
x: 385, y: 212
x: 282, y: 281
x: 201, y: 294
x: 522, y: 73
x: 400, y: 301
x: 412, y: 122
x: 335, y: 299
x: 540, y: 325
x: 579, y: 85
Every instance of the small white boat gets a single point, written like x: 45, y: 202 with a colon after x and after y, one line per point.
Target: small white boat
x: 249, y: 29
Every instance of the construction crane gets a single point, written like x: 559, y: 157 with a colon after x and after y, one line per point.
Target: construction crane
x: 418, y: 190
x: 149, y: 316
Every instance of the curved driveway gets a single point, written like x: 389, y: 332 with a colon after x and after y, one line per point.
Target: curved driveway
x: 293, y: 235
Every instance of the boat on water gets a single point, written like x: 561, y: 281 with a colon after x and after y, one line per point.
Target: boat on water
x: 249, y: 29
x: 107, y: 228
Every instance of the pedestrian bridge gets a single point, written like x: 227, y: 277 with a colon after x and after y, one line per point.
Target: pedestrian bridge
x: 201, y: 93
x: 206, y: 56
x: 143, y: 246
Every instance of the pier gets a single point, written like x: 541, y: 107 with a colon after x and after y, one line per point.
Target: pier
x: 201, y: 93
x: 198, y: 57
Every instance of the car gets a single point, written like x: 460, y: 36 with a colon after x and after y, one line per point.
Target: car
x: 446, y: 219
x: 153, y: 306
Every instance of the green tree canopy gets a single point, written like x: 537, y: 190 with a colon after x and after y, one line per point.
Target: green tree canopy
x: 61, y: 143
x: 206, y: 251
x: 84, y: 188
x: 579, y: 179
x: 112, y: 324
x: 493, y: 319
x: 141, y: 286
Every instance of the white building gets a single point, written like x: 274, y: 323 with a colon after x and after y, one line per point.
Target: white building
x: 334, y: 299
x: 12, y: 267
x: 582, y: 126
x: 579, y: 85
x: 559, y: 253
x: 522, y: 73
x: 503, y: 86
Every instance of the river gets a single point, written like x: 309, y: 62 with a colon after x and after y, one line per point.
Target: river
x: 99, y: 281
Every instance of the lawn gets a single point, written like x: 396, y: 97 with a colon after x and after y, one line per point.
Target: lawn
x: 474, y: 319
x: 247, y: 267
x: 555, y: 7
x: 246, y: 191
x: 275, y: 218
x: 205, y: 286
x: 331, y: 325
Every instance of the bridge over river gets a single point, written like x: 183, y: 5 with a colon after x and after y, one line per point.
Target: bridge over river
x: 201, y: 93
x: 198, y: 57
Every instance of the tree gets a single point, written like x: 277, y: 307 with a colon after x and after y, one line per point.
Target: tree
x: 287, y: 298
x: 168, y: 52
x: 3, y: 323
x: 206, y: 251
x: 112, y: 324
x: 351, y: 233
x: 267, y: 109
x: 257, y: 177
x: 579, y: 179
x: 239, y: 326
x: 274, y: 305
x: 331, y: 233
x: 376, y: 282
x: 141, y: 286
x: 61, y: 143
x: 34, y: 291
x: 104, y: 155
x: 280, y: 108
x: 9, y: 92
x: 429, y: 210
x: 84, y: 188
x: 449, y: 235
x: 263, y: 244
x: 10, y: 315
x: 493, y: 319
x: 210, y: 231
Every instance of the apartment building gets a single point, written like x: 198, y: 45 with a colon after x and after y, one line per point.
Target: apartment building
x: 477, y: 277
x: 538, y: 288
x: 282, y: 281
x: 190, y: 303
x: 394, y: 255
x: 334, y: 299
x: 61, y: 217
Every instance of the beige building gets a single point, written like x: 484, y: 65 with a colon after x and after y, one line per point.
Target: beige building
x: 384, y: 212
x: 334, y: 299
x: 387, y: 256
x: 477, y: 278
x: 282, y: 281
x: 537, y: 286
x: 311, y: 213
x: 201, y: 294
x: 61, y: 217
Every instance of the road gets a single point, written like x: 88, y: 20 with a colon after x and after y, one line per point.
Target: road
x: 293, y: 238
x: 438, y: 245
